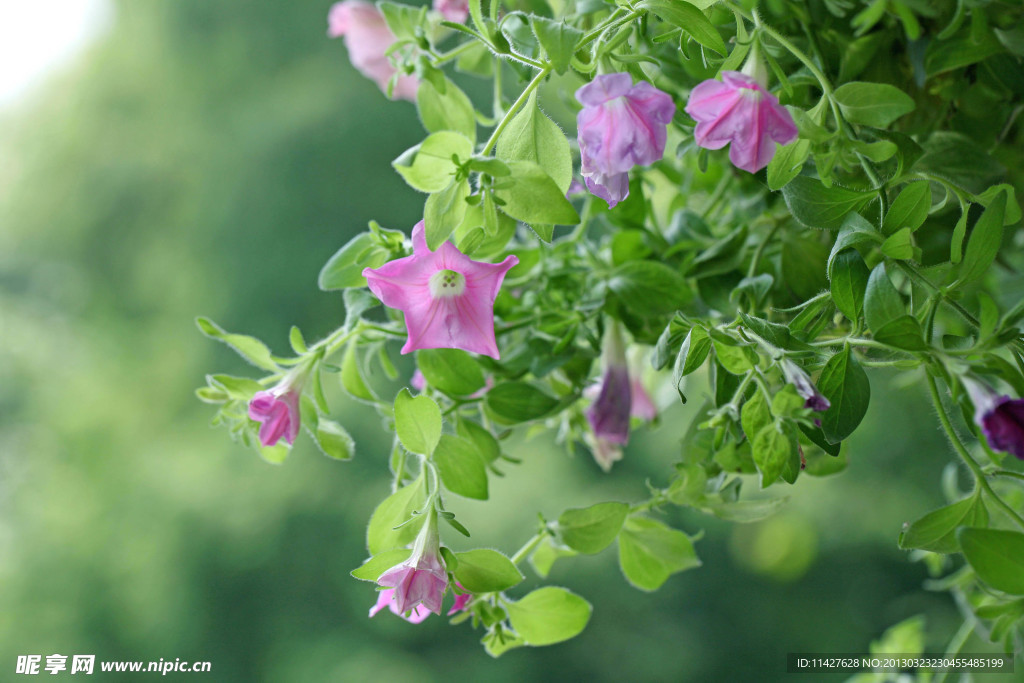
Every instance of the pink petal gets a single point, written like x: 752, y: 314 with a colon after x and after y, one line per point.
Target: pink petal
x: 603, y: 88
x: 383, y: 599
x: 642, y: 405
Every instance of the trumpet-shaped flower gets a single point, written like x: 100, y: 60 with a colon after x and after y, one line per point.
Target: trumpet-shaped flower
x: 740, y: 111
x: 422, y: 579
x: 447, y: 298
x: 1001, y: 418
x: 385, y: 598
x: 620, y: 126
x: 368, y: 38
x: 804, y: 387
x: 609, y: 415
x: 277, y: 409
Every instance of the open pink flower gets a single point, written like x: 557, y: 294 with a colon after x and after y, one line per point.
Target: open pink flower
x: 385, y: 598
x: 447, y: 298
x: 1001, y: 418
x: 278, y: 410
x: 620, y: 126
x: 422, y: 579
x: 453, y: 10
x: 740, y: 111
x: 367, y: 38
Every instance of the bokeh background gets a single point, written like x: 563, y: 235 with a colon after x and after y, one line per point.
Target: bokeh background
x: 206, y: 158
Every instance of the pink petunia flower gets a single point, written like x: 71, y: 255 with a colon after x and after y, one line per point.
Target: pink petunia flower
x: 277, y: 409
x: 385, y: 598
x: 738, y: 110
x: 609, y: 414
x: 368, y: 38
x: 447, y: 298
x: 453, y: 10
x: 422, y: 579
x: 620, y: 126
x: 461, y: 600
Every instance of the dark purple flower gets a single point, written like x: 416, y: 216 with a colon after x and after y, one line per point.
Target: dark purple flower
x: 1001, y: 418
x: 620, y: 126
x: 609, y: 414
x: 800, y: 380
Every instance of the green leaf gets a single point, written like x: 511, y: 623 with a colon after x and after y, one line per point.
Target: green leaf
x: 900, y: 245
x: 872, y: 104
x: 855, y: 231
x: 514, y: 402
x: 249, y: 348
x: 352, y: 377
x: 558, y: 40
x: 417, y: 422
x: 450, y: 110
x: 882, y: 302
x: 451, y: 371
x: 755, y: 415
x: 845, y: 384
x: 395, y: 510
x: 548, y: 615
x: 772, y: 450
x: 532, y: 196
x: 686, y: 16
x: 486, y: 445
x: 648, y: 288
x: 531, y: 136
x: 787, y: 162
x: 345, y: 268
x: 428, y: 167
x: 486, y: 571
x: 403, y: 20
x: 996, y: 555
x: 692, y: 354
x: 985, y: 240
x: 650, y: 552
x: 903, y: 332
x: 817, y: 206
x: 371, y: 569
x: 591, y: 530
x: 910, y: 208
x: 804, y: 265
x: 936, y: 531
x: 1013, y: 213
x: 462, y: 469
x: 849, y: 283
x: 444, y: 212
x: 546, y: 554
x: 333, y: 440
x: 733, y: 358
x: 746, y: 511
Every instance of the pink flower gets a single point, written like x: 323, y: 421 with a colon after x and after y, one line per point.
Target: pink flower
x: 641, y: 405
x: 367, y: 38
x: 620, y: 126
x: 278, y: 411
x: 453, y: 10
x: 385, y: 598
x: 418, y: 381
x: 461, y: 600
x: 609, y: 414
x: 447, y: 298
x: 1001, y: 418
x: 740, y: 111
x: 422, y: 579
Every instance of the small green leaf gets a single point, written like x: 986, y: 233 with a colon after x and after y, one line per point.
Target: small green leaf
x: 755, y: 415
x: 936, y: 531
x: 428, y: 167
x: 849, y: 283
x: 486, y: 445
x: 746, y: 511
x: 558, y: 40
x: 686, y: 16
x: 882, y: 302
x: 532, y: 196
x: 393, y: 511
x: 352, y: 377
x: 900, y: 245
x: 845, y: 384
x: 371, y: 569
x: 692, y: 354
x: 650, y: 552
x: 486, y: 571
x: 985, y: 240
x: 417, y: 422
x: 443, y: 212
x: 872, y: 104
x: 733, y: 358
x: 514, y: 402
x: 333, y: 440
x: 817, y: 206
x: 462, y: 469
x: 546, y: 554
x: 787, y: 162
x: 910, y: 208
x: 450, y: 110
x: 772, y: 450
x: 531, y: 136
x: 249, y: 348
x: 996, y: 555
x: 451, y: 371
x: 648, y: 288
x: 591, y: 530
x: 548, y: 615
x: 345, y: 268
x: 903, y: 332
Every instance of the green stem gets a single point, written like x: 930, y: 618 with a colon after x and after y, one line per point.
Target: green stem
x: 760, y: 249
x: 514, y: 109
x: 611, y: 22
x: 979, y: 475
x: 457, y: 51
x: 528, y: 547
x: 957, y: 643
x: 1008, y: 473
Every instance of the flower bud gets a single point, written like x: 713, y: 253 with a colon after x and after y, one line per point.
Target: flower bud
x: 804, y: 386
x: 1001, y: 418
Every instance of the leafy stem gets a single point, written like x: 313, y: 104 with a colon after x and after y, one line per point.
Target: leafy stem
x: 514, y: 109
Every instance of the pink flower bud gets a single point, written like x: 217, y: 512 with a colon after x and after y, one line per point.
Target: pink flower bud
x: 278, y: 411
x: 447, y: 298
x: 453, y: 10
x: 620, y: 126
x: 740, y: 111
x: 367, y: 38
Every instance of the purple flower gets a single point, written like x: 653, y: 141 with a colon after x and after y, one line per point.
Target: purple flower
x: 804, y: 386
x: 609, y: 414
x: 385, y: 598
x: 422, y: 579
x: 447, y: 298
x: 461, y: 600
x: 278, y: 411
x: 1001, y: 418
x: 620, y: 126
x: 368, y: 38
x: 740, y: 111
x: 453, y: 10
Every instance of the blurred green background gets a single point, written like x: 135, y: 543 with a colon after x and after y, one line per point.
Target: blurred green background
x: 207, y: 158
